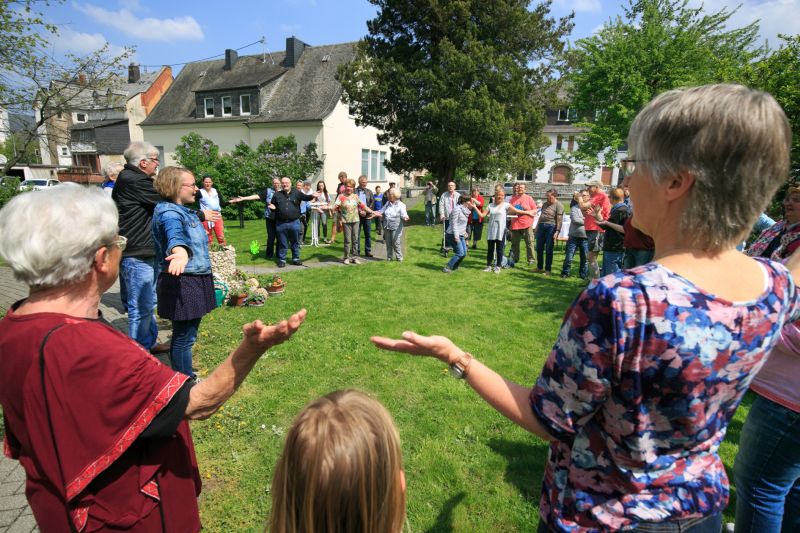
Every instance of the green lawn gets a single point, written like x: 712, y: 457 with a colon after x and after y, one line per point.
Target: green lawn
x: 467, y: 468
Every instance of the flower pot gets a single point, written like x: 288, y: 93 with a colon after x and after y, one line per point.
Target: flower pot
x: 276, y: 290
x: 238, y: 300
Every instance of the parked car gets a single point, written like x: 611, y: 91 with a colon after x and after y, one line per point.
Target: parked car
x: 37, y: 184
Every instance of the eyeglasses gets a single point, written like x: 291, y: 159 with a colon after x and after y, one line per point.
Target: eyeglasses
x: 153, y: 159
x: 120, y: 242
x: 627, y: 166
x: 190, y: 185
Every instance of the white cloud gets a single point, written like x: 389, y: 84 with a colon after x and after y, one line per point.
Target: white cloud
x: 774, y: 16
x: 69, y: 40
x: 580, y: 6
x: 148, y: 28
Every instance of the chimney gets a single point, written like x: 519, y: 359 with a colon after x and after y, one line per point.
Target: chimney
x: 82, y: 79
x: 134, y: 74
x: 294, y: 49
x: 230, y: 59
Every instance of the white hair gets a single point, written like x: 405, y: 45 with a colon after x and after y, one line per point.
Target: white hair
x: 139, y: 150
x: 49, y: 237
x: 112, y: 169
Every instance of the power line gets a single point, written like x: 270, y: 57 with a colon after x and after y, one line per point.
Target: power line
x: 262, y: 40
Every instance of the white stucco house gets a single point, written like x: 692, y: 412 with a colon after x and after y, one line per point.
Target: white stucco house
x: 253, y: 98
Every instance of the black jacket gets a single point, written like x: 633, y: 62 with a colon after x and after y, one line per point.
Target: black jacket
x: 136, y: 198
x: 287, y: 206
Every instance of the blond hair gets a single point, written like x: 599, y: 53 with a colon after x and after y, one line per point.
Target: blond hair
x: 735, y: 143
x: 169, y: 181
x: 350, y: 183
x: 340, y: 470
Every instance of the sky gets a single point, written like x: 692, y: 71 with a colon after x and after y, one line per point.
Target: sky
x: 178, y: 31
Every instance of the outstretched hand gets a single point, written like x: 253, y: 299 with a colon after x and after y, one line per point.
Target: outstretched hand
x: 177, y: 261
x: 412, y: 343
x: 262, y: 337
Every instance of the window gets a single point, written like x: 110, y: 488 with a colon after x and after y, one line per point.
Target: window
x: 80, y: 117
x: 227, y: 108
x: 559, y: 142
x: 209, y: 105
x: 373, y: 165
x: 244, y: 104
x: 64, y: 150
x: 567, y: 114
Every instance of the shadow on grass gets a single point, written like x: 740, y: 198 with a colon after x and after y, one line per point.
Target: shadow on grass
x: 432, y: 266
x: 525, y: 465
x: 444, y: 520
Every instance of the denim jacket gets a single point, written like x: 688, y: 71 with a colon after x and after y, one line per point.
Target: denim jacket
x: 176, y: 225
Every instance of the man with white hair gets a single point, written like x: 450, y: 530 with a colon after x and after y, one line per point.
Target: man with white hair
x: 136, y: 198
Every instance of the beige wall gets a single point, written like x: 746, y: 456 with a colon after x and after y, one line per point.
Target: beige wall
x: 135, y: 112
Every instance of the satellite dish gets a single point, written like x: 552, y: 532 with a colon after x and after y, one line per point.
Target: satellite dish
x: 3, y: 159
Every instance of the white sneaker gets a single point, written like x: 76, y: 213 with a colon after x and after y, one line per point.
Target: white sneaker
x: 496, y: 270
x: 488, y: 269
x: 355, y: 261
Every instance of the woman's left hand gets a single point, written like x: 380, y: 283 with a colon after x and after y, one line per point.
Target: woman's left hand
x: 177, y: 261
x: 262, y: 337
x: 412, y: 343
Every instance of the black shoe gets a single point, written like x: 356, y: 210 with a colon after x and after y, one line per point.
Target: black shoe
x: 368, y: 254
x: 297, y: 263
x: 281, y: 264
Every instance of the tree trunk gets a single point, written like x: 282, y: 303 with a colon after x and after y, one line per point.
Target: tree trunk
x: 444, y: 173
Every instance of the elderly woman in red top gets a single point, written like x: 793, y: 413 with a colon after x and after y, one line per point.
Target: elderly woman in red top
x: 98, y: 424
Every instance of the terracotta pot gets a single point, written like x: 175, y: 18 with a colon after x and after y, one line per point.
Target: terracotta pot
x: 237, y: 300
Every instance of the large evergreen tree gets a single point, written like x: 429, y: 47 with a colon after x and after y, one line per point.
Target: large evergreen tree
x: 456, y: 84
x: 655, y: 46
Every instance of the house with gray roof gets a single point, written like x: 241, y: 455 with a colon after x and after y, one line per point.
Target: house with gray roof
x: 258, y: 97
x: 93, y: 126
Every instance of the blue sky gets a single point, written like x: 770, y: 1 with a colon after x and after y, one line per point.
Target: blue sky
x: 177, y: 31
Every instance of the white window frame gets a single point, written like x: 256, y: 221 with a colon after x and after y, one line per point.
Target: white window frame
x: 76, y: 117
x: 373, y: 164
x: 241, y: 107
x: 567, y: 114
x: 222, y: 106
x: 205, y: 107
x: 63, y: 150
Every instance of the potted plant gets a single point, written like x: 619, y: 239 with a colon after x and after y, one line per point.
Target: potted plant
x: 256, y: 296
x: 276, y: 285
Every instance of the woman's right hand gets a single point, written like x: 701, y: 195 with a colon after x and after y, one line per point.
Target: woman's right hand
x: 412, y: 343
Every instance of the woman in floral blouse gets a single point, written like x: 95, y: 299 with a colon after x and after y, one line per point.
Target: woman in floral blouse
x: 348, y: 205
x: 651, y: 363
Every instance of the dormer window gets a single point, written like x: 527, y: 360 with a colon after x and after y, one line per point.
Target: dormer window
x: 567, y: 114
x: 209, y: 107
x: 244, y: 104
x: 80, y: 117
x: 227, y: 108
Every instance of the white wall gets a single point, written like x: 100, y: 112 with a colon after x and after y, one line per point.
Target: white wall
x: 341, y: 145
x: 135, y: 113
x: 551, y: 160
x: 226, y: 135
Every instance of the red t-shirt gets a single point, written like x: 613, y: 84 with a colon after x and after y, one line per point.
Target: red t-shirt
x: 590, y: 224
x: 478, y: 201
x: 635, y: 239
x: 522, y: 202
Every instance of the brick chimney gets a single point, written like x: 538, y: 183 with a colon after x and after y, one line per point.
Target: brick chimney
x: 230, y: 59
x: 294, y: 49
x: 81, y: 79
x: 134, y: 74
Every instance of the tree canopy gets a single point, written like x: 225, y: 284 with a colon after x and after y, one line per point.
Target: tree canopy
x: 655, y: 46
x: 32, y: 77
x: 456, y: 84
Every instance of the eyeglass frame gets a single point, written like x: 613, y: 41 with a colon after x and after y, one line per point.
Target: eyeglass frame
x: 120, y: 242
x: 626, y: 162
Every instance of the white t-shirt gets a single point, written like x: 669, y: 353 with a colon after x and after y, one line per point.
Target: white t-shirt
x: 496, y: 221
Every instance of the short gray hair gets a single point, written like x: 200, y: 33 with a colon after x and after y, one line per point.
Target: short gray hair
x: 39, y: 240
x: 734, y: 141
x: 139, y: 150
x: 393, y: 193
x: 112, y: 169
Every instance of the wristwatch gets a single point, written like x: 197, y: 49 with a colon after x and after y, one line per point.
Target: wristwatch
x: 460, y: 368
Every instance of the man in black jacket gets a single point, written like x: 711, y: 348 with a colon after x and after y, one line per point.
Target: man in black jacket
x: 136, y: 198
x: 365, y: 195
x: 286, y: 205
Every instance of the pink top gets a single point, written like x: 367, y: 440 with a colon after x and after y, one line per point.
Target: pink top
x: 777, y: 379
x: 522, y: 202
x: 605, y: 208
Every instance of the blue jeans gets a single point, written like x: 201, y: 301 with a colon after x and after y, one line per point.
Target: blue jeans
x: 138, y: 275
x: 459, y: 247
x: 364, y: 225
x: 544, y: 245
x: 288, y: 234
x: 767, y: 470
x: 582, y: 245
x: 429, y: 214
x: 184, y: 334
x: 612, y: 262
x: 634, y: 258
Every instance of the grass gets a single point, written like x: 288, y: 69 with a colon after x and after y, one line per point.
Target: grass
x: 467, y: 468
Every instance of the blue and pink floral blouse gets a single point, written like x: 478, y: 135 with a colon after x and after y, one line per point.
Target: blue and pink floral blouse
x: 646, y: 373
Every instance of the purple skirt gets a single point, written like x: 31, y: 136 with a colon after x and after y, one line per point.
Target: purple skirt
x: 185, y: 297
